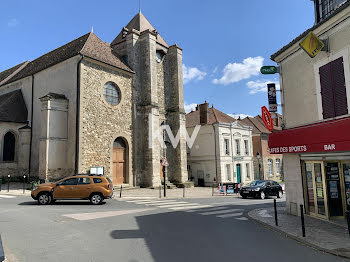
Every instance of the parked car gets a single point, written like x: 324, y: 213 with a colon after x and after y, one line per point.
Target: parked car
x: 262, y: 189
x: 79, y: 187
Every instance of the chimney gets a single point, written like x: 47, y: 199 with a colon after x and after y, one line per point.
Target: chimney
x: 203, y: 113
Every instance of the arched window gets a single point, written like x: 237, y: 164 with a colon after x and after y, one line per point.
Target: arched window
x: 119, y: 143
x: 9, y: 147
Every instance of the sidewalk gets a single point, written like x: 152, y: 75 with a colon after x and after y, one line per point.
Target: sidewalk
x: 326, y: 236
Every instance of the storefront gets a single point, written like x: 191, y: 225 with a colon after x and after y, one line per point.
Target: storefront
x: 324, y: 153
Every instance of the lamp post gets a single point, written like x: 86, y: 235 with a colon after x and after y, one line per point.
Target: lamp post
x: 259, y: 157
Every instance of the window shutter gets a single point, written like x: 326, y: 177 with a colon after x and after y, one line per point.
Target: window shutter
x: 339, y: 88
x: 327, y: 91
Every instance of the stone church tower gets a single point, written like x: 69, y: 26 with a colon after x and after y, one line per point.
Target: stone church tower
x: 157, y: 97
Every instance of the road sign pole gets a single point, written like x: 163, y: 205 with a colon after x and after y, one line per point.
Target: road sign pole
x: 164, y: 181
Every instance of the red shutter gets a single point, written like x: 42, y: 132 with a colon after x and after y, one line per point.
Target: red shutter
x: 339, y: 88
x: 327, y: 91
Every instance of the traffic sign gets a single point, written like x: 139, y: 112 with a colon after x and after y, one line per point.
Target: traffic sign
x: 312, y: 45
x: 165, y: 162
x: 269, y: 70
x: 267, y: 119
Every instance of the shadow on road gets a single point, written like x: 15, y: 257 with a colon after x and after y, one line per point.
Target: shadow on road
x: 60, y: 203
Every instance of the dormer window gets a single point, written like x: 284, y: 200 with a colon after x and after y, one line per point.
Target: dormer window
x: 124, y: 32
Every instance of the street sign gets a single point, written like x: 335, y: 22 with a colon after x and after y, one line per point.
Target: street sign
x: 271, y: 93
x: 312, y: 45
x: 269, y: 70
x: 267, y: 119
x: 165, y: 162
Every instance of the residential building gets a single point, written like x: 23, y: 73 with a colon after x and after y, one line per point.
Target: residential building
x: 266, y: 165
x: 90, y: 104
x: 315, y: 97
x: 222, y: 151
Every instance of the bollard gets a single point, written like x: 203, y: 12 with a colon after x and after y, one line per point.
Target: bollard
x: 302, y: 219
x: 183, y: 193
x: 121, y: 189
x: 24, y: 184
x: 160, y: 190
x: 0, y: 183
x: 212, y: 190
x: 8, y: 183
x: 275, y: 207
x: 348, y: 219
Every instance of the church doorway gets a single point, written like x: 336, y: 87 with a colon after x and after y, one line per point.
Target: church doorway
x: 119, y: 161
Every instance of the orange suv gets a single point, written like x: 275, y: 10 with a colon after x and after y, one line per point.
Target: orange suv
x: 92, y: 187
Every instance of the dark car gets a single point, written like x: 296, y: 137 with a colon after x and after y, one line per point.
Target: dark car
x: 262, y: 189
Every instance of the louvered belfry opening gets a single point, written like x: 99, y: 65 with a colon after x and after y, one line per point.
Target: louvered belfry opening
x: 333, y: 89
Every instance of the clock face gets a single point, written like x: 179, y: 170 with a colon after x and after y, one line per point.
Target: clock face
x: 159, y: 56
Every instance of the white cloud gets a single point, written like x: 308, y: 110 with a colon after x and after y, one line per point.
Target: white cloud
x: 235, y: 72
x: 190, y: 107
x: 12, y: 22
x: 236, y: 116
x: 260, y: 86
x: 192, y: 73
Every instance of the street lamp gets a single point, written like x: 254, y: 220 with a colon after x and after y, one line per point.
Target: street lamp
x: 259, y: 157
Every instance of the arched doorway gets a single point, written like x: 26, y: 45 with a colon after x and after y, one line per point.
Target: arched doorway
x: 9, y: 147
x: 119, y: 161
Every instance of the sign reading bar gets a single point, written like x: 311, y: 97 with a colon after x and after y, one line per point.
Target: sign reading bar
x: 312, y: 45
x: 267, y: 119
x: 269, y: 70
x: 271, y: 92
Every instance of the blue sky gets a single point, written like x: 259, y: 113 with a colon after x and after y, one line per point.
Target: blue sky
x: 224, y: 41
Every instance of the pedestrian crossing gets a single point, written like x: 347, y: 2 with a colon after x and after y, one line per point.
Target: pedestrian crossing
x: 224, y: 211
x: 6, y: 196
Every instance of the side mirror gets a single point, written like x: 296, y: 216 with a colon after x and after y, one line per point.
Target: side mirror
x: 58, y: 184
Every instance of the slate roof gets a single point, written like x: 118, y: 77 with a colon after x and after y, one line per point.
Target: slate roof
x: 214, y: 116
x: 139, y: 23
x: 258, y: 124
x: 13, y: 107
x: 7, y: 73
x: 88, y: 45
x: 300, y: 37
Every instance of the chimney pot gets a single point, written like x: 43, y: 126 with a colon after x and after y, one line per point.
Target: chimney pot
x: 203, y: 113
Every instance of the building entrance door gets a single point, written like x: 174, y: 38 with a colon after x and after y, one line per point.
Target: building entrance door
x: 119, y: 161
x: 335, y: 200
x: 238, y: 169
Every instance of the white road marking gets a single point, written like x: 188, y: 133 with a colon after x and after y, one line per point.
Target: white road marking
x: 230, y: 215
x: 263, y: 213
x: 221, y: 212
x: 210, y: 209
x: 166, y: 203
x: 242, y: 218
x: 136, y: 197
x: 155, y: 202
x: 96, y: 215
x: 7, y: 196
x: 189, y: 207
x: 179, y: 205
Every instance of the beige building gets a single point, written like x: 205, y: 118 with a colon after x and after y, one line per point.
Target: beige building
x: 222, y: 150
x: 89, y: 104
x: 315, y: 97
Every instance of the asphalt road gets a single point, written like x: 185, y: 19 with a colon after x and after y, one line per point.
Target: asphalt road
x: 212, y: 229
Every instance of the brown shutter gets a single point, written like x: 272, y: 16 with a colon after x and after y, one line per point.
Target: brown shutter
x: 339, y: 88
x: 327, y: 91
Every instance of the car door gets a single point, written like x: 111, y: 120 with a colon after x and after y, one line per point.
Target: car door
x: 83, y: 188
x: 276, y: 188
x: 65, y: 188
x: 268, y: 188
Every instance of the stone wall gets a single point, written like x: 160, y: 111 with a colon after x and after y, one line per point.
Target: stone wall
x: 100, y: 122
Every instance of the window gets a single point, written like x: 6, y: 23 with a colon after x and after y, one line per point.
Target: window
x: 247, y: 168
x: 238, y: 147
x: 269, y: 167
x: 228, y: 172
x: 246, y: 147
x: 97, y: 180
x: 9, y: 147
x: 111, y: 93
x: 324, y: 8
x: 278, y: 166
x: 69, y: 182
x: 84, y: 181
x: 333, y: 89
x: 227, y: 146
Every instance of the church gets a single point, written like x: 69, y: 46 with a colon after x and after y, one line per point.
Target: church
x: 89, y: 104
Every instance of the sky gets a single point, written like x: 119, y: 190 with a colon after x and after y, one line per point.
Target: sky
x: 224, y: 42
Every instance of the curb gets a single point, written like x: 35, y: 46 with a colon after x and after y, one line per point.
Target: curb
x: 298, y: 239
x: 2, y: 253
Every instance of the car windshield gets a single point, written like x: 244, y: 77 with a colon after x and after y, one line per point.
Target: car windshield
x: 257, y: 183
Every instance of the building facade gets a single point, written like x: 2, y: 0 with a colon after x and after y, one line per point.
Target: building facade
x: 91, y: 104
x: 315, y: 96
x: 222, y: 151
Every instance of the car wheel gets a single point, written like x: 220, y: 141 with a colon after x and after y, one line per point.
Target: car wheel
x: 96, y: 199
x: 280, y: 194
x: 44, y: 199
x: 262, y: 195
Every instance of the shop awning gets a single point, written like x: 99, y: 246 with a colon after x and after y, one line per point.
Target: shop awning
x: 329, y: 136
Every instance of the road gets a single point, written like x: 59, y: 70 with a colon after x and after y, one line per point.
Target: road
x: 210, y: 229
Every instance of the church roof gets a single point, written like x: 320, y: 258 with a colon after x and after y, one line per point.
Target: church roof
x: 88, y: 45
x: 139, y: 23
x: 7, y: 74
x: 13, y: 108
x: 214, y: 116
